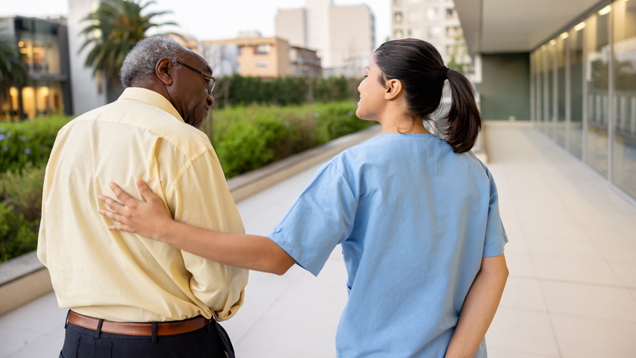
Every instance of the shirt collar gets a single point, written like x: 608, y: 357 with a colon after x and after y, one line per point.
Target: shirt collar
x: 150, y: 97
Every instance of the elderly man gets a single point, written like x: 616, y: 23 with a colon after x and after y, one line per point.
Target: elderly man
x: 129, y: 296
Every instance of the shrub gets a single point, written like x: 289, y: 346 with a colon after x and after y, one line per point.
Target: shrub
x: 246, y: 138
x: 336, y: 119
x: 23, y: 191
x: 18, y: 236
x: 20, y: 211
x: 29, y: 143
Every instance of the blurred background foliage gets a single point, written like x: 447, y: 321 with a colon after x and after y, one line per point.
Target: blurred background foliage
x: 239, y: 90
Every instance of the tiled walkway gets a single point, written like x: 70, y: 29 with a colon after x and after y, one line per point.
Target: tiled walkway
x: 572, y: 258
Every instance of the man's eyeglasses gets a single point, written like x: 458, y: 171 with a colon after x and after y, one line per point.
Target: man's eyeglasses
x: 210, y: 78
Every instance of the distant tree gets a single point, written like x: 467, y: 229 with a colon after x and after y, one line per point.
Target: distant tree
x: 115, y: 28
x: 459, y: 59
x: 11, y: 69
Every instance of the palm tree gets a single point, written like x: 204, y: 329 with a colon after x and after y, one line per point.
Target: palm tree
x: 11, y: 63
x: 116, y: 27
x: 11, y: 70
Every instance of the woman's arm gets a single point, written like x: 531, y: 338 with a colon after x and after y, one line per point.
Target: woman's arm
x: 479, y: 308
x: 151, y: 219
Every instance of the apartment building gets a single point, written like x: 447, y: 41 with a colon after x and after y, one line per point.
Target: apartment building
x: 342, y: 36
x: 434, y: 21
x: 264, y: 57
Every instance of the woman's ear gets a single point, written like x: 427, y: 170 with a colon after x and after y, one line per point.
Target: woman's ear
x: 163, y: 70
x: 393, y: 89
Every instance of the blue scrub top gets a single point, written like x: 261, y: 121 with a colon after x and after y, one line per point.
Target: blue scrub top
x: 414, y: 220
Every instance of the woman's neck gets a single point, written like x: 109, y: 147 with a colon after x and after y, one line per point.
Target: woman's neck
x: 402, y: 124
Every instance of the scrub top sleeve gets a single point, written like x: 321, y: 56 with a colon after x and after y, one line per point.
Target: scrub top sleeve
x: 321, y: 218
x: 496, y: 236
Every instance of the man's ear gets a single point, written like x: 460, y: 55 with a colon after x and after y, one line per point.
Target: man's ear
x: 393, y: 89
x: 163, y: 70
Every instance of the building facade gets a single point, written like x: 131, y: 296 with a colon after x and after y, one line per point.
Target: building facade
x: 434, y: 21
x: 304, y: 63
x: 583, y: 91
x: 264, y: 57
x: 570, y: 69
x: 44, y: 47
x: 343, y: 36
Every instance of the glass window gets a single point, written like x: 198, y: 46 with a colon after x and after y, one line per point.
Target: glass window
x: 263, y: 49
x: 432, y: 13
x: 548, y: 89
x: 538, y: 88
x: 28, y: 101
x: 597, y: 78
x: 434, y: 32
x: 561, y: 101
x: 261, y: 63
x: 41, y: 52
x: 397, y: 18
x: 624, y: 155
x: 450, y: 14
x: 398, y: 34
x: 575, y: 43
x: 453, y: 32
x: 9, y: 104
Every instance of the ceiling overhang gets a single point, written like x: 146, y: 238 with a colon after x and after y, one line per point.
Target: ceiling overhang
x: 501, y: 26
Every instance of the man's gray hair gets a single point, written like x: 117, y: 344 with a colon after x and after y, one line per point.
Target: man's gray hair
x: 142, y: 59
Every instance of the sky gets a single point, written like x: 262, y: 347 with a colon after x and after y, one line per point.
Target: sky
x: 211, y: 19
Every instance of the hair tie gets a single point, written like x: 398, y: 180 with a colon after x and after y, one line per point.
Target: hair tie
x: 444, y: 72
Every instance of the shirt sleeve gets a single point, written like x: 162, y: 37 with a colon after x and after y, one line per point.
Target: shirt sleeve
x: 496, y: 237
x: 200, y: 197
x: 321, y: 218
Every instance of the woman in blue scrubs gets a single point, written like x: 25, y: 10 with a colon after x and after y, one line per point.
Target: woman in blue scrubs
x: 416, y: 215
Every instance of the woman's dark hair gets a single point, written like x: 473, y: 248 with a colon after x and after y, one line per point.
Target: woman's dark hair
x: 420, y: 68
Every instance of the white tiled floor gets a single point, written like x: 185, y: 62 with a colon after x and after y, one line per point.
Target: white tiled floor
x: 572, y: 258
x: 572, y: 253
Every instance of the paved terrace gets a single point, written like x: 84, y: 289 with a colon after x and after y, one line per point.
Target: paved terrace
x: 572, y: 258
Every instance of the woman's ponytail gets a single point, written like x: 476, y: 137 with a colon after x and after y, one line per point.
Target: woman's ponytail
x: 463, y: 119
x: 420, y: 68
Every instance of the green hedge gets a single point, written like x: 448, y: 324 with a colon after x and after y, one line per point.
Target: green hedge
x: 275, y: 132
x: 238, y: 90
x: 20, y: 208
x: 29, y: 143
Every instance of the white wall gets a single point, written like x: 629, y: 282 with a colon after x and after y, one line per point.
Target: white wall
x: 291, y: 25
x: 86, y: 94
x: 318, y: 28
x: 351, y: 40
